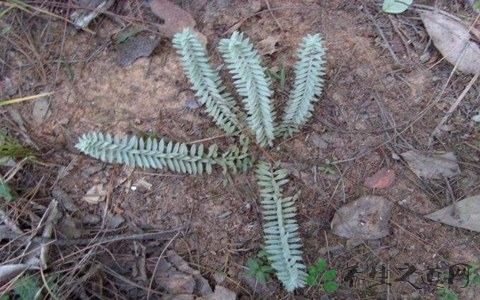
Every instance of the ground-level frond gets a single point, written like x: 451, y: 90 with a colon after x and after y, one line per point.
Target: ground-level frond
x: 206, y: 81
x: 309, y: 72
x: 282, y: 239
x: 252, y: 84
x: 158, y: 154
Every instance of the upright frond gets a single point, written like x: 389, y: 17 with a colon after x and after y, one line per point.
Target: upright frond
x: 206, y: 81
x: 252, y: 84
x: 309, y: 72
x: 282, y: 239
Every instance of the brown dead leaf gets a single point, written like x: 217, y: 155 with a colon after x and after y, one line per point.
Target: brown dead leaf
x: 434, y: 166
x: 365, y: 218
x: 95, y: 194
x: 175, y: 18
x: 141, y: 45
x: 383, y: 179
x: 463, y: 214
x: 268, y: 46
x: 453, y: 39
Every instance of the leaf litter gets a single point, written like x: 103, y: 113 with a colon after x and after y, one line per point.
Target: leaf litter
x: 363, y: 219
x: 463, y: 214
x: 457, y: 41
x: 436, y: 166
x: 383, y: 179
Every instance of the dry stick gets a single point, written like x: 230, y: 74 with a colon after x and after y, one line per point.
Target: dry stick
x: 273, y: 16
x: 23, y: 6
x: 158, y: 262
x: 392, y: 53
x: 401, y: 34
x: 162, y: 235
x: 237, y: 25
x: 127, y: 280
x: 452, y: 108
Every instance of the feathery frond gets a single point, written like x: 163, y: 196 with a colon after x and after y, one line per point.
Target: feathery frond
x: 157, y: 154
x: 282, y: 238
x: 206, y: 81
x: 309, y: 72
x: 251, y: 82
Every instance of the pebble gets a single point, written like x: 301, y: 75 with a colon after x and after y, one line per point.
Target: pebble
x: 91, y: 219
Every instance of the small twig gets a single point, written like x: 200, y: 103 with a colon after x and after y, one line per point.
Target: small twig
x: 273, y: 16
x: 156, y: 265
x: 24, y: 7
x: 384, y: 38
x: 452, y: 109
x: 401, y: 34
x: 128, y: 281
x: 239, y: 23
x: 9, y: 223
x: 163, y: 235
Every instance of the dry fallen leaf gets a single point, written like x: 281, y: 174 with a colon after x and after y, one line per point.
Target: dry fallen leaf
x: 141, y: 45
x: 434, y: 167
x: 454, y: 41
x: 175, y: 18
x: 463, y: 214
x: 383, y: 179
x: 95, y: 194
x: 268, y: 46
x: 41, y: 111
x: 365, y: 218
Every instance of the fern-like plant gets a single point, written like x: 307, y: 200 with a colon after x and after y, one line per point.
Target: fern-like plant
x: 282, y: 239
x: 251, y: 82
x: 308, y: 85
x: 159, y: 154
x: 206, y: 81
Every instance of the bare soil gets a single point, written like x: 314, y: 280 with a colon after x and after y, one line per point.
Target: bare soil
x: 374, y: 107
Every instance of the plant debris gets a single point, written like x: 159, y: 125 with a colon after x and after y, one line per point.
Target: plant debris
x: 383, y: 179
x: 95, y: 194
x: 140, y: 45
x: 457, y: 41
x: 434, y: 167
x: 175, y: 19
x: 88, y: 10
x: 463, y: 214
x: 40, y: 111
x: 363, y: 219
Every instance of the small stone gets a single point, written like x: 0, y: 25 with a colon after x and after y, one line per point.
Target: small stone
x: 393, y: 252
x: 361, y: 125
x: 202, y: 287
x: 7, y: 87
x: 64, y: 121
x: 192, y: 104
x: 63, y: 198
x: 425, y: 57
x: 395, y: 156
x: 91, y: 219
x: 219, y: 278
x: 318, y: 141
x: 176, y: 283
x: 41, y: 111
x: 68, y: 229
x: 115, y: 221
x: 221, y: 293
